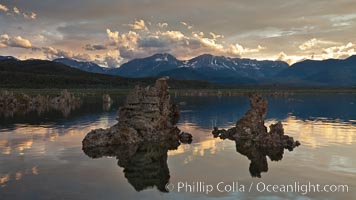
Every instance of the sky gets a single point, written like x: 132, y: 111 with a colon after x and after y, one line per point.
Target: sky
x: 112, y: 32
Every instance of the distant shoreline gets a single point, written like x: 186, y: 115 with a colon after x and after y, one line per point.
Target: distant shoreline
x: 190, y: 92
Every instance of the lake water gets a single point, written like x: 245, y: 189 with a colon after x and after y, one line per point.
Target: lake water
x: 41, y: 157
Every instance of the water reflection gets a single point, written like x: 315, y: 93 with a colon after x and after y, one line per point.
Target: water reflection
x: 107, y: 102
x: 22, y: 104
x: 52, y: 146
x: 320, y: 132
x: 17, y: 176
x: 38, y: 110
x: 215, y: 111
x: 107, y: 106
x: 145, y: 165
x: 258, y: 156
x: 253, y: 140
x: 22, y: 138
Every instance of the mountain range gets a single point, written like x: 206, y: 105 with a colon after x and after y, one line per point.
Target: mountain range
x: 234, y: 71
x: 84, y: 66
x: 49, y: 74
x: 231, y: 71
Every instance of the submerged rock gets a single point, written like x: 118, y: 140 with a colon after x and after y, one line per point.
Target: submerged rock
x: 252, y: 139
x: 147, y: 115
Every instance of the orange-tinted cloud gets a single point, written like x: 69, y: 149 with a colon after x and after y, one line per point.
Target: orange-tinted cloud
x: 3, y: 8
x: 18, y: 41
x: 184, y: 45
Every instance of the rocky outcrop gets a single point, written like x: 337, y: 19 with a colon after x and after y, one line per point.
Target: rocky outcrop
x: 65, y: 102
x: 143, y: 135
x: 11, y: 103
x: 185, y: 138
x: 251, y: 128
x: 147, y: 115
x: 252, y: 139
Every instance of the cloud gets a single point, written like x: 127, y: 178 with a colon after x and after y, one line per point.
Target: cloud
x: 234, y: 50
x: 175, y: 35
x: 53, y: 53
x: 207, y: 42
x: 283, y: 57
x: 315, y: 43
x: 282, y: 26
x: 139, y: 25
x: 5, y: 37
x: 153, y: 42
x: 82, y: 57
x: 237, y: 49
x: 184, y: 45
x: 342, y: 20
x: 17, y: 11
x: 126, y: 43
x: 318, y: 49
x: 341, y: 51
x: 112, y: 60
x: 289, y: 59
x: 216, y: 36
x: 95, y: 47
x: 187, y: 25
x: 184, y: 23
x: 31, y: 15
x: 18, y: 41
x: 129, y: 40
x: 113, y: 36
x: 162, y: 25
x: 3, y: 8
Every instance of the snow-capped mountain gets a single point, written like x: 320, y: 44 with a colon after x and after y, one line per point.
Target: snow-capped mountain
x: 150, y: 66
x: 204, y: 67
x: 225, y: 70
x: 218, y: 69
x: 221, y: 65
x: 84, y: 66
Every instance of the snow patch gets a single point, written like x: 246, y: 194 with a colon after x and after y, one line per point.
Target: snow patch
x: 161, y: 59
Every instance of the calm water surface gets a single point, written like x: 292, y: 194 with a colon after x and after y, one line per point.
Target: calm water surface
x: 41, y: 157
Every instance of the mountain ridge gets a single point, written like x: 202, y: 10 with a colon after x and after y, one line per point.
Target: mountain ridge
x: 231, y: 71
x: 50, y: 74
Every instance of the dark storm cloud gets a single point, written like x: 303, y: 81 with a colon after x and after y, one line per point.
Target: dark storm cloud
x: 152, y: 42
x: 95, y: 47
